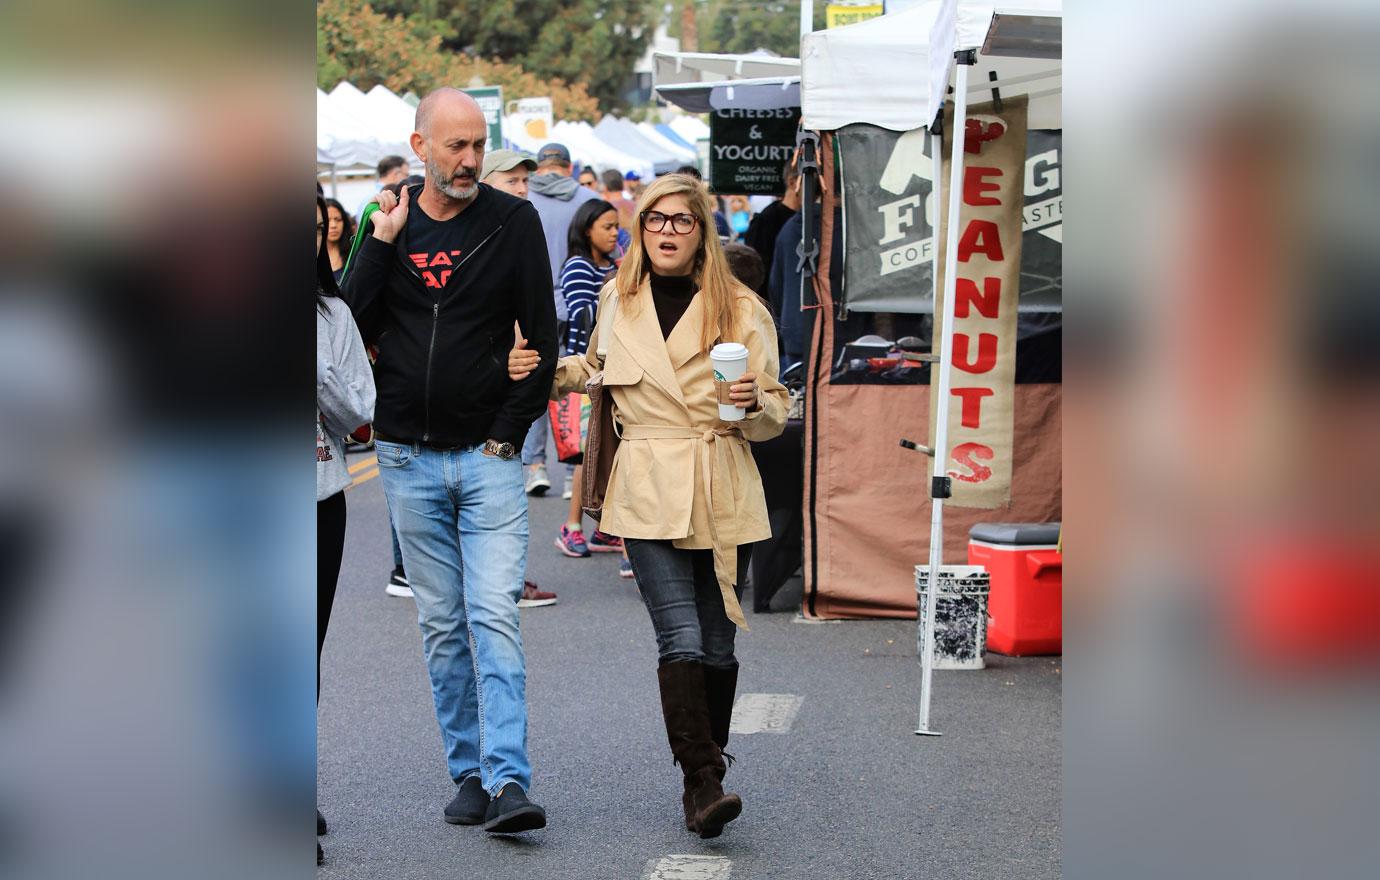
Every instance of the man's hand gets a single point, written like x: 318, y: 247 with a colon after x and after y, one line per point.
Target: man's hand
x: 743, y: 393
x: 391, y: 216
x: 521, y: 360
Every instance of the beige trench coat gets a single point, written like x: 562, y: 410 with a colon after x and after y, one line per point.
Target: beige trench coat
x: 680, y: 473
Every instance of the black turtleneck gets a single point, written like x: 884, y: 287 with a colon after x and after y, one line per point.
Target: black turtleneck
x: 672, y: 295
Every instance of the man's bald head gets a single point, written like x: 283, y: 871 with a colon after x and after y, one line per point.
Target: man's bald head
x: 446, y: 99
x: 450, y: 139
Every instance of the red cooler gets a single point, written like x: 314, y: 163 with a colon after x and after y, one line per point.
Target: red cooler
x: 1026, y: 602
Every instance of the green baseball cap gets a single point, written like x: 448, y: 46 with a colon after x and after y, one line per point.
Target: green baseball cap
x: 505, y: 160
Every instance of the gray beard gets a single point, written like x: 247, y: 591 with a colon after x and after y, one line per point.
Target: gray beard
x: 442, y: 183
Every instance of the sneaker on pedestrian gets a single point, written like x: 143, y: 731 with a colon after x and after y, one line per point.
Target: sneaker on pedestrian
x: 601, y: 542
x: 569, y: 489
x: 511, y: 812
x: 535, y: 597
x: 470, y: 805
x: 321, y: 827
x: 538, y: 482
x: 571, y: 542
x: 625, y: 568
x: 398, y: 585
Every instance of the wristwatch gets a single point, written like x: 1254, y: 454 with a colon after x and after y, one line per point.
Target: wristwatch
x: 503, y: 450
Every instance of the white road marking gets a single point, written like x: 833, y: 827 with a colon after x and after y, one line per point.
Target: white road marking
x: 765, y: 713
x: 689, y: 868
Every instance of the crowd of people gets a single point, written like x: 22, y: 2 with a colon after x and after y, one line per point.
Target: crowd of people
x: 442, y: 326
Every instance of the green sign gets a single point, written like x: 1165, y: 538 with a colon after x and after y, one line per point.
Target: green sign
x: 490, y: 100
x: 749, y: 149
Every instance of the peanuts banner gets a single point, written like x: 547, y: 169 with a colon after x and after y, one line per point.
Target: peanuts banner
x: 988, y: 274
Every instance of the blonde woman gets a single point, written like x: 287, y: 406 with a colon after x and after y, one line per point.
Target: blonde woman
x: 684, y: 493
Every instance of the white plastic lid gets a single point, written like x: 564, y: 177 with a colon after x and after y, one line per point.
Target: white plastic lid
x: 728, y: 351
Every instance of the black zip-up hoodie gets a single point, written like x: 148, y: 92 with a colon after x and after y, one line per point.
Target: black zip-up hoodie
x: 442, y: 369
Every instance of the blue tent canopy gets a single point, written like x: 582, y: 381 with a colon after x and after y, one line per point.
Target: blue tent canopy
x: 670, y: 134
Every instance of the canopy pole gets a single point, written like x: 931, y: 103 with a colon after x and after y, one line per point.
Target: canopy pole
x: 939, y: 484
x: 807, y: 18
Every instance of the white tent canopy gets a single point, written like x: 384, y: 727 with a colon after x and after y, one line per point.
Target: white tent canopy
x: 765, y: 93
x: 690, y: 128
x: 357, y: 130
x: 699, y: 82
x: 625, y: 136
x: 650, y: 133
x: 398, y: 118
x: 383, y: 119
x: 850, y: 74
x: 587, y: 148
x: 695, y: 67
x: 348, y: 135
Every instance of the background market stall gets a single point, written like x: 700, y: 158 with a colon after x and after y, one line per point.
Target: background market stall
x: 1019, y: 51
x: 864, y: 536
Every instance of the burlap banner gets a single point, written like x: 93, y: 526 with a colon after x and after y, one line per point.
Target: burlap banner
x: 888, y: 209
x: 988, y: 280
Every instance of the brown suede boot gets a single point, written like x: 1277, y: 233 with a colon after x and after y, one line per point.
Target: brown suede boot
x: 684, y: 706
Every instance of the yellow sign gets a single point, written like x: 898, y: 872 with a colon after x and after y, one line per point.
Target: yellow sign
x: 837, y: 16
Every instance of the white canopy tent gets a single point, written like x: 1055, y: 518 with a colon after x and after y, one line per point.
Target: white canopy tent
x: 624, y: 135
x: 586, y: 148
x: 766, y: 93
x: 589, y: 149
x: 342, y: 140
x: 838, y: 62
x: 387, y: 121
x: 700, y: 82
x: 354, y: 130
x: 695, y: 67
x: 650, y: 133
x: 398, y: 117
x: 1022, y: 43
x: 691, y: 128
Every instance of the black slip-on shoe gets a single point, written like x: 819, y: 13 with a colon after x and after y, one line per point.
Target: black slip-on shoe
x: 320, y: 823
x: 512, y: 812
x: 470, y: 804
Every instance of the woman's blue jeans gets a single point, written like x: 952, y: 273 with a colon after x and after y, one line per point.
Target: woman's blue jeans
x: 682, y: 596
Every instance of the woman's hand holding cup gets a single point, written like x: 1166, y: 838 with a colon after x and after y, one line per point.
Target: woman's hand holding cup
x: 743, y: 393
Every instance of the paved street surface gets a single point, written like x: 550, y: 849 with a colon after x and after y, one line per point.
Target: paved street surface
x: 834, y: 781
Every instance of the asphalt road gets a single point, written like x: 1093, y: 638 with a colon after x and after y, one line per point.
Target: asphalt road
x: 848, y: 791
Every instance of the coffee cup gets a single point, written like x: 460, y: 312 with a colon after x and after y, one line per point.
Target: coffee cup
x: 730, y: 360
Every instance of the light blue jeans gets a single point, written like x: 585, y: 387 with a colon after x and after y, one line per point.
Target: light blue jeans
x: 461, y: 518
x: 534, y: 445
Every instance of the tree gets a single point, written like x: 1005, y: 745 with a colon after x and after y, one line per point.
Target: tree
x: 366, y: 47
x: 595, y: 43
x: 742, y: 26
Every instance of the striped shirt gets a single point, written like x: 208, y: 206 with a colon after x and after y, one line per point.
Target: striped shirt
x: 581, y: 281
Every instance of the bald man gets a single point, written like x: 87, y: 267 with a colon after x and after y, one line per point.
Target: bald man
x: 450, y: 265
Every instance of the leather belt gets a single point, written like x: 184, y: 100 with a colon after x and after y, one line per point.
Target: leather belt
x: 439, y: 447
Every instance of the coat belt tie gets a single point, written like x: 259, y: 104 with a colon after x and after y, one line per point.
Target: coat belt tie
x: 714, y: 464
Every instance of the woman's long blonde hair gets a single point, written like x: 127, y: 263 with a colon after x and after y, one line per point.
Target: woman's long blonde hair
x: 711, y: 273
